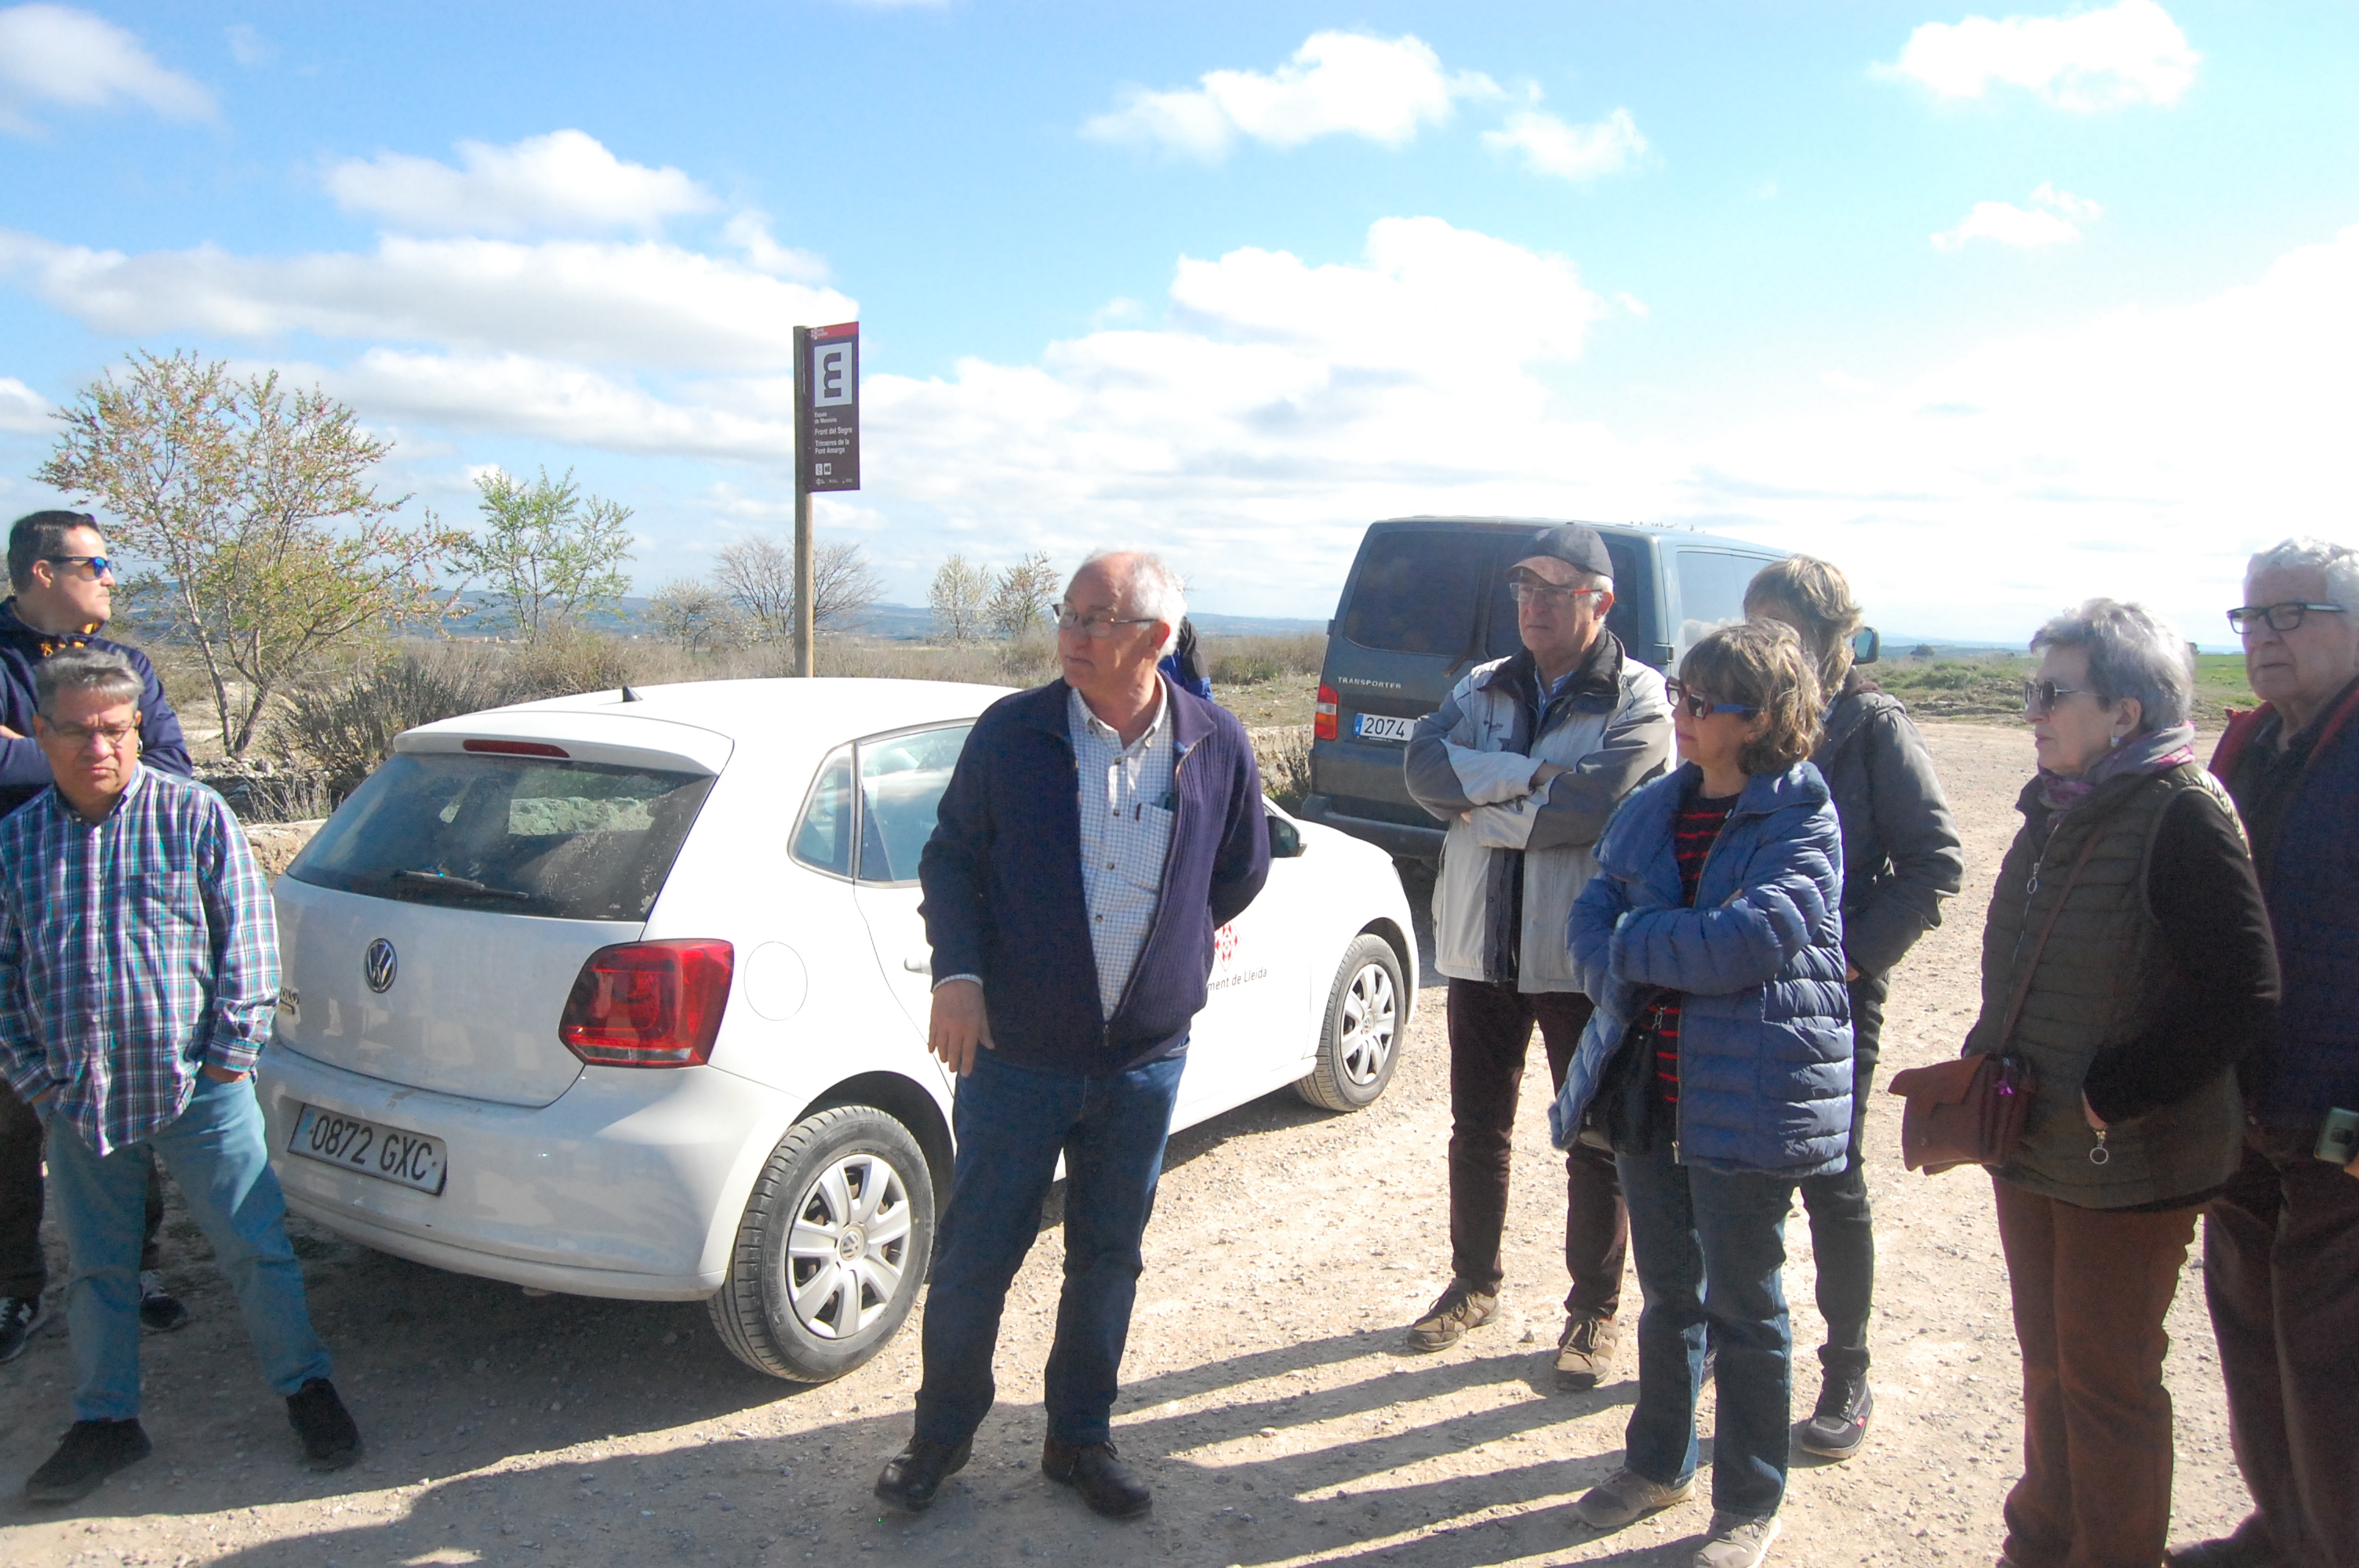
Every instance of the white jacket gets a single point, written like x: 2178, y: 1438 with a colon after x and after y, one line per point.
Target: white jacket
x: 1515, y: 858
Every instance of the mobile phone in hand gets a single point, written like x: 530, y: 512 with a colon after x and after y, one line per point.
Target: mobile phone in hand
x: 2338, y: 1140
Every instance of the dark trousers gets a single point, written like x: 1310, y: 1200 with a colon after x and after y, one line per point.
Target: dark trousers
x: 1012, y: 1123
x: 24, y: 1273
x: 2091, y: 1290
x: 1710, y: 1252
x: 1490, y: 1031
x: 1843, y: 1231
x: 2281, y: 1272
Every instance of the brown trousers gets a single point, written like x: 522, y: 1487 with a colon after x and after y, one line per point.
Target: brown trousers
x: 2281, y: 1271
x: 2091, y: 1289
x: 1490, y: 1031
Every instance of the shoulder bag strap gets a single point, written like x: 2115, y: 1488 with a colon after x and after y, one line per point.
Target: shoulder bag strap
x: 2031, y: 966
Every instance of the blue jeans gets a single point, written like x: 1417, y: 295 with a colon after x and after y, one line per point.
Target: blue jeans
x: 1012, y: 1123
x: 214, y: 1149
x: 1711, y: 1247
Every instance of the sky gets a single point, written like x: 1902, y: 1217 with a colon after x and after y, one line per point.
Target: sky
x: 1996, y: 309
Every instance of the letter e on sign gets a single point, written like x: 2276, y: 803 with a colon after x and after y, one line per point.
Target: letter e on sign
x: 831, y: 382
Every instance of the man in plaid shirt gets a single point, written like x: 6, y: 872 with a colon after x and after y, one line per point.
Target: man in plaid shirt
x: 139, y: 977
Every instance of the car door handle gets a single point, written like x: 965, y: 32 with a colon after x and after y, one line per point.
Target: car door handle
x: 919, y: 963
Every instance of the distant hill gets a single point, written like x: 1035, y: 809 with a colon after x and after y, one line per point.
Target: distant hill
x: 901, y: 622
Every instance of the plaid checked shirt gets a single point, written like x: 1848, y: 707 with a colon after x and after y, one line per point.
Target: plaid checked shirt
x: 1126, y: 816
x: 132, y: 952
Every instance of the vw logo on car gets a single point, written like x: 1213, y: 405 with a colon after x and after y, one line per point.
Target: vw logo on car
x: 380, y: 965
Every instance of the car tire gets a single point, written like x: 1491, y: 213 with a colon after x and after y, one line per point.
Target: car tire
x: 1359, y: 1043
x: 810, y: 1313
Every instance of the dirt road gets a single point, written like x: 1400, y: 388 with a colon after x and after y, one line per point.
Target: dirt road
x: 1268, y: 1399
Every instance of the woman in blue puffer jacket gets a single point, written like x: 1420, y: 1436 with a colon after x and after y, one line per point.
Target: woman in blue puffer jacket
x: 1718, y: 1065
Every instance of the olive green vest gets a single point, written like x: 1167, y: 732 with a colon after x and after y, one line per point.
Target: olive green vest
x: 2099, y: 983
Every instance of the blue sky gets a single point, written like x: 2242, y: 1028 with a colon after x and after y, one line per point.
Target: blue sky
x: 1997, y: 308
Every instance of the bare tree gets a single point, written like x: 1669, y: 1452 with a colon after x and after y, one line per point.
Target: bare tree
x: 757, y: 573
x: 698, y: 615
x: 269, y: 545
x: 956, y: 599
x: 1021, y: 597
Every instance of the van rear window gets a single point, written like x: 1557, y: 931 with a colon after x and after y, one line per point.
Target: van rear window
x: 1416, y: 592
x: 1711, y: 592
x: 565, y: 840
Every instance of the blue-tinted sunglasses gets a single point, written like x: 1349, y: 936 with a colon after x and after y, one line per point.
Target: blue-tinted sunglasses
x: 99, y: 565
x: 1699, y: 706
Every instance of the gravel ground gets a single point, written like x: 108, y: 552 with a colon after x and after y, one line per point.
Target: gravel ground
x: 1269, y: 1399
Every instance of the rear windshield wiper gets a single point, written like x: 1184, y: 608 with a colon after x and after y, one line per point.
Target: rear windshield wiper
x: 467, y: 886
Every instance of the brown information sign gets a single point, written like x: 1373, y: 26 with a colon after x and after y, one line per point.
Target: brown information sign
x: 827, y: 408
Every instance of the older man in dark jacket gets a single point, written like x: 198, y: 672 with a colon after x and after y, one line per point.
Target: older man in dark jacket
x: 64, y: 592
x: 1097, y: 831
x: 2281, y: 1243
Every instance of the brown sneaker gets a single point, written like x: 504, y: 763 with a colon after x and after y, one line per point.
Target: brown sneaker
x: 1586, y: 1351
x: 1445, y: 1323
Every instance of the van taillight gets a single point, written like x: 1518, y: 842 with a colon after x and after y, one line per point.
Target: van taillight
x: 1323, y: 715
x: 648, y: 1004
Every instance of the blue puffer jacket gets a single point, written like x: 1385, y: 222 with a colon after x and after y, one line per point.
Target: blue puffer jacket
x: 1764, y: 1025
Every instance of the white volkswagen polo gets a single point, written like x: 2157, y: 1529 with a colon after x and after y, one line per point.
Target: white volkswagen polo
x: 625, y: 995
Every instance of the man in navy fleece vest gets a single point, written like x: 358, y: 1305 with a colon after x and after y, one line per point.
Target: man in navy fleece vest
x: 1097, y: 831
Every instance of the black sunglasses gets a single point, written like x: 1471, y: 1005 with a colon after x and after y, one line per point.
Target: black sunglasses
x: 2283, y: 617
x: 1697, y: 705
x: 99, y: 565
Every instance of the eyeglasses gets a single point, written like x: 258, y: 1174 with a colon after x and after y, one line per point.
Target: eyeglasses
x: 2283, y: 617
x: 1525, y: 588
x: 2039, y: 696
x: 1698, y: 705
x: 1098, y: 625
x: 99, y: 565
x: 83, y: 734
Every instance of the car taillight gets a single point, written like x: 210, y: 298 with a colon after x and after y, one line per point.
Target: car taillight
x: 1323, y: 715
x: 648, y: 1004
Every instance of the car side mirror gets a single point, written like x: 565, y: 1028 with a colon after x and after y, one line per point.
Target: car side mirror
x: 1866, y: 648
x: 1285, y: 839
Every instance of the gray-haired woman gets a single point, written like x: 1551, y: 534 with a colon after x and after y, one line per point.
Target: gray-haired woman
x: 1901, y: 859
x: 2127, y: 958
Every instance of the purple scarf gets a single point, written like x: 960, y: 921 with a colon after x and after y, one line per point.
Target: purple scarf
x: 2149, y: 753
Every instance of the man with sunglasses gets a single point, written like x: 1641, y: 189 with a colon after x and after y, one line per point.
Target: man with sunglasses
x: 63, y: 584
x: 1526, y: 760
x: 2281, y: 1242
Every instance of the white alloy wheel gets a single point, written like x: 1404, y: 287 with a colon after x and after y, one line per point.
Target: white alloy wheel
x: 834, y: 1245
x: 849, y: 1246
x: 1360, y: 1042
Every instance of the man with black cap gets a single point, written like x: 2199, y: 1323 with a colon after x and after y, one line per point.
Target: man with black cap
x: 1526, y: 760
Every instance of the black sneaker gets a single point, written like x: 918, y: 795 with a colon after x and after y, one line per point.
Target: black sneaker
x: 160, y: 1311
x: 19, y: 1316
x: 330, y: 1439
x: 93, y: 1451
x: 1838, y: 1425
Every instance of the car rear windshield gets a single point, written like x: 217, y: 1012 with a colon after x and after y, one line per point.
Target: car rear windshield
x: 565, y: 840
x: 1416, y: 591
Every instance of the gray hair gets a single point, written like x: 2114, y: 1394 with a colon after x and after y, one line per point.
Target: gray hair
x: 1152, y: 590
x: 2132, y: 652
x: 2301, y: 553
x: 85, y: 669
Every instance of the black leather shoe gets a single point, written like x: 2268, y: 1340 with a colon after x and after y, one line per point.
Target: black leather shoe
x: 332, y: 1441
x: 93, y: 1451
x: 2250, y: 1547
x: 1097, y: 1472
x: 911, y: 1477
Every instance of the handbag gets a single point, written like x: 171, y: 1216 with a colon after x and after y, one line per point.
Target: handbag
x: 1971, y: 1111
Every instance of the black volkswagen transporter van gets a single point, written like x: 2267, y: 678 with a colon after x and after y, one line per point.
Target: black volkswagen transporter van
x: 1428, y: 600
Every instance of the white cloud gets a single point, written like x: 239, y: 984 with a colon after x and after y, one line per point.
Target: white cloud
x: 563, y: 182
x: 645, y: 303
x: 1385, y: 90
x: 55, y: 54
x: 2130, y: 52
x: 2024, y: 228
x: 249, y: 48
x: 750, y: 232
x: 22, y: 410
x: 1577, y: 153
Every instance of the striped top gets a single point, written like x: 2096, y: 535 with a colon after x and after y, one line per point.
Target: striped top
x: 1693, y: 832
x: 1126, y: 811
x: 132, y: 951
